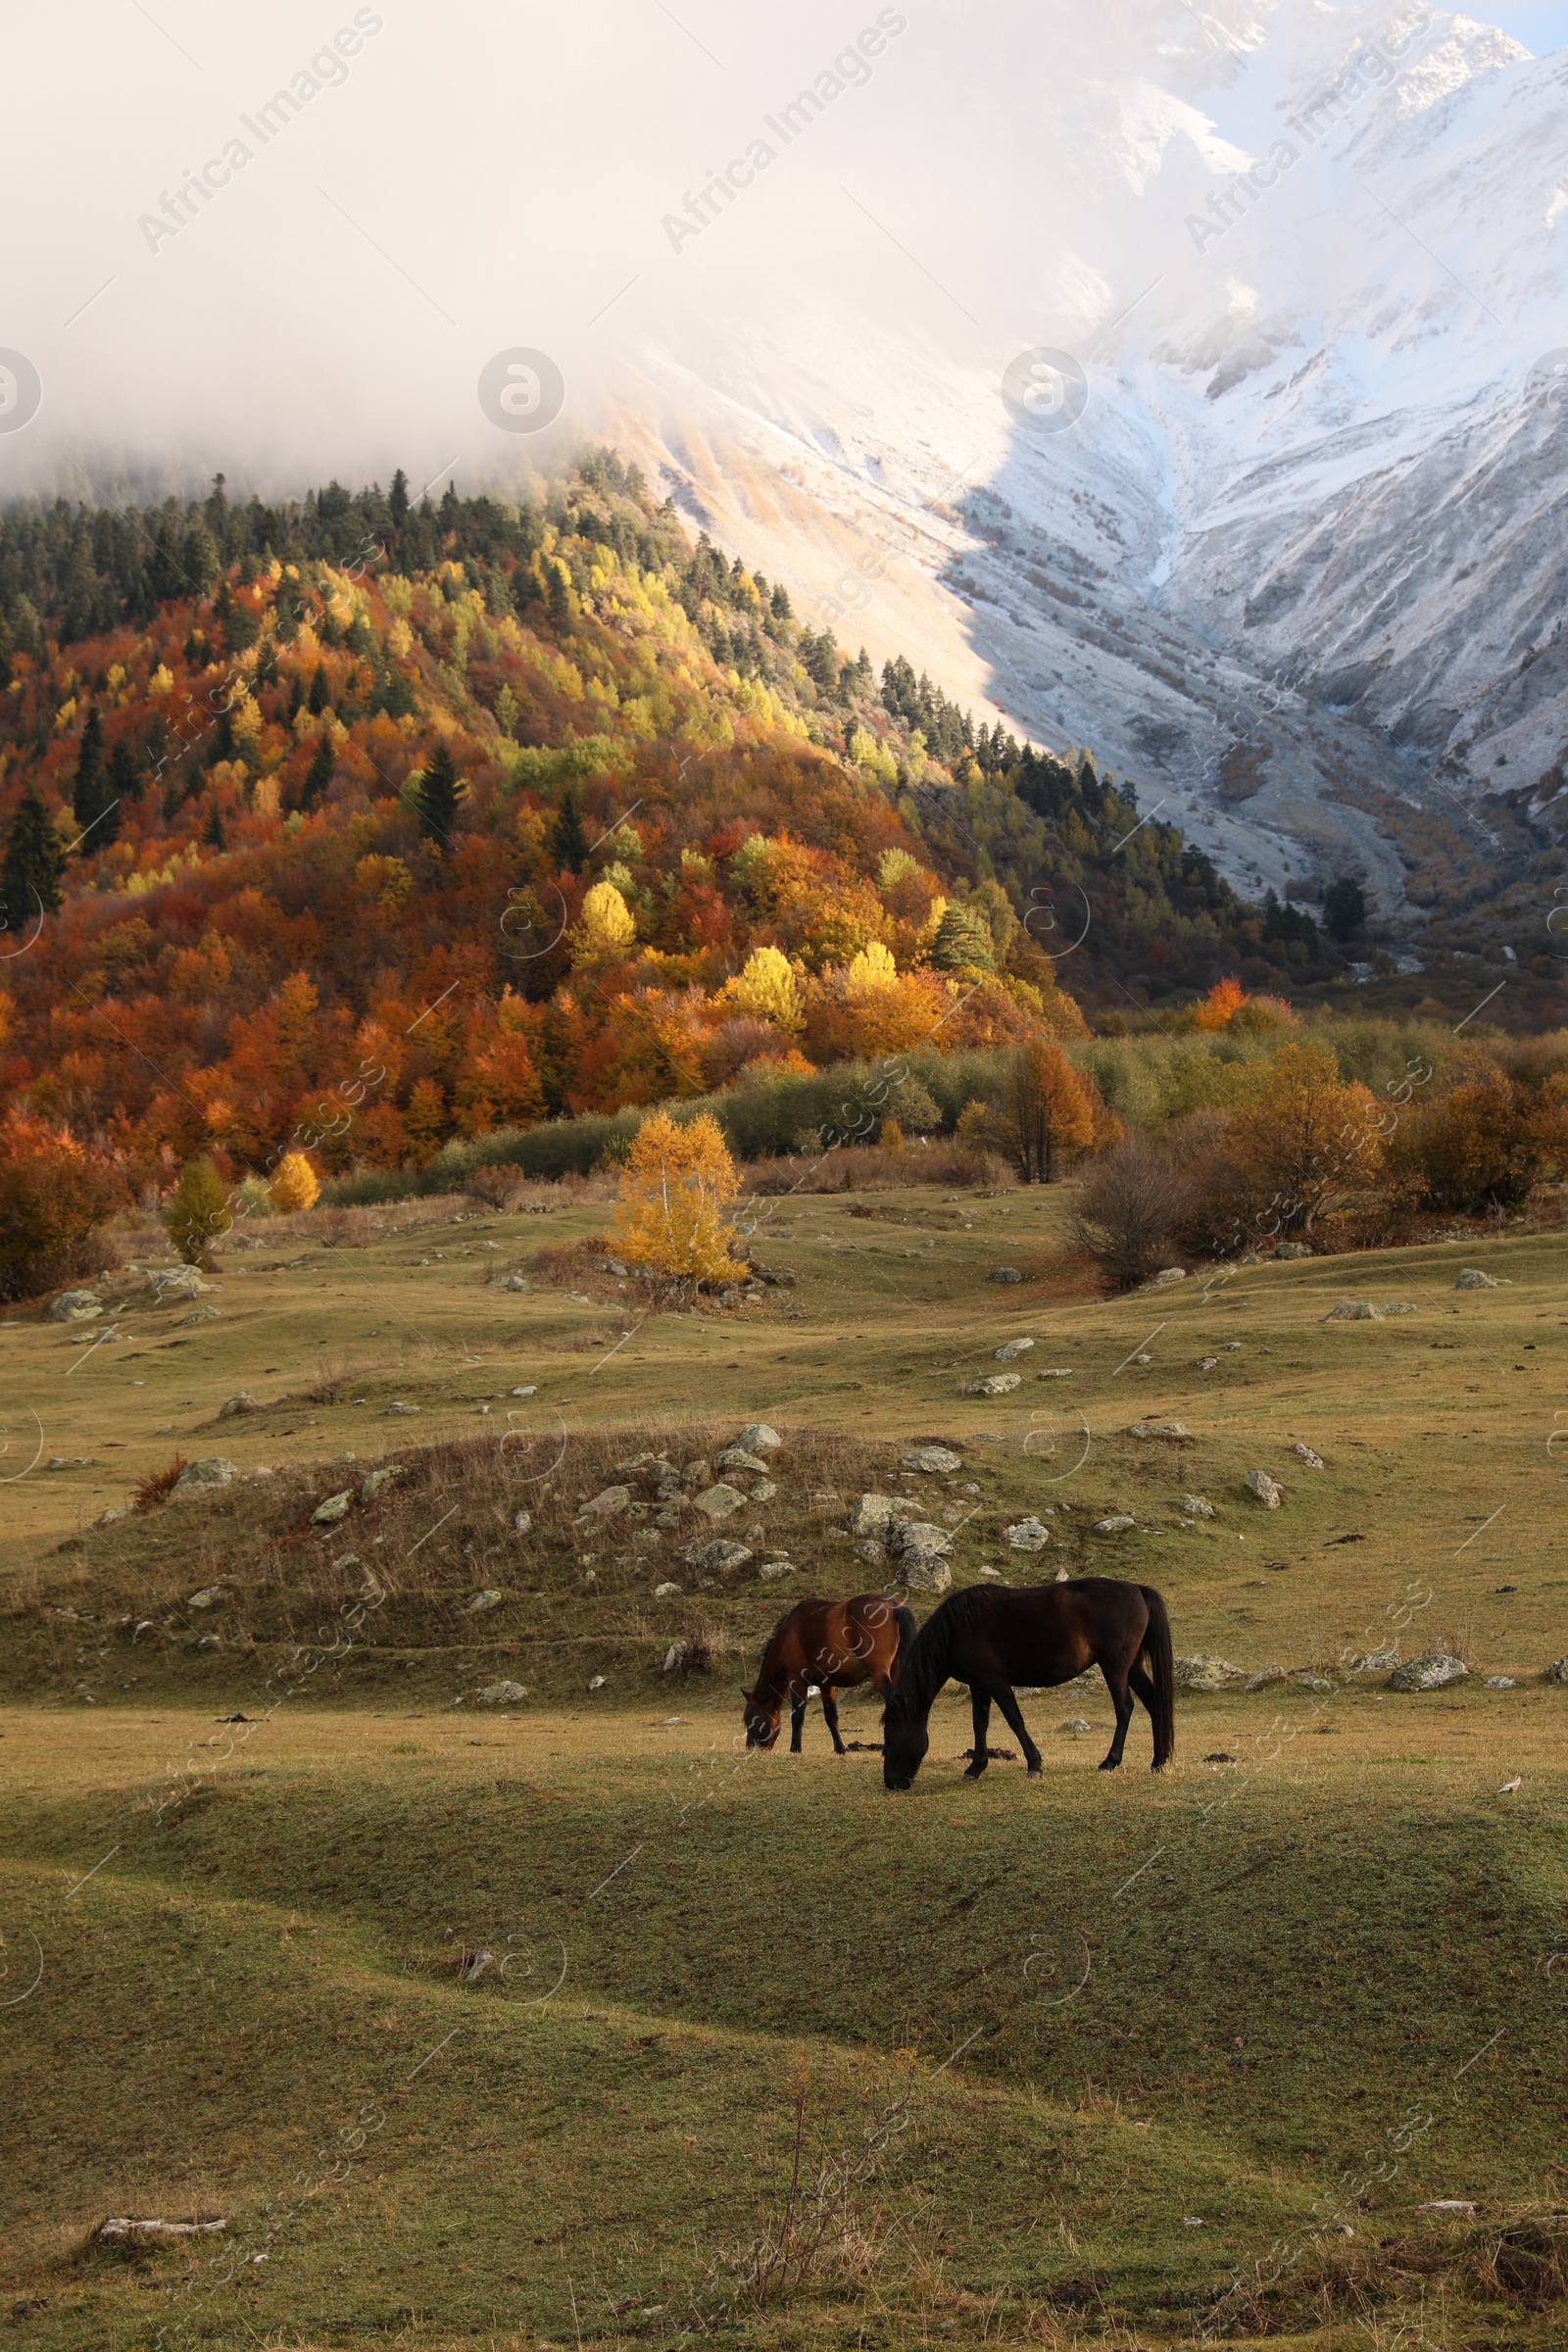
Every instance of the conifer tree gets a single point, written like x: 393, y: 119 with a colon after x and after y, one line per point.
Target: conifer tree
x: 124, y: 777
x: 87, y: 793
x: 320, y: 691
x: 318, y: 775
x: 568, y: 843
x: 440, y: 790
x: 34, y: 864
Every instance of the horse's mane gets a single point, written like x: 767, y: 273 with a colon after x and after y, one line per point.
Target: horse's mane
x: 924, y: 1667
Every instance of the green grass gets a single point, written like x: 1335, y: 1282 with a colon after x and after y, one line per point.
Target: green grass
x: 1320, y: 1987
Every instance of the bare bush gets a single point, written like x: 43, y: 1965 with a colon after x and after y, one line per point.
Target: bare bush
x: 1129, y: 1209
x: 869, y: 1168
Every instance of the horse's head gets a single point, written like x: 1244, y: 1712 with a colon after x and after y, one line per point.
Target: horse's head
x: 762, y: 1719
x: 905, y: 1740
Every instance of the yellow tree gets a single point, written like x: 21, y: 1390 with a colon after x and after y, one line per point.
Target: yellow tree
x: 606, y: 926
x: 669, y: 1217
x: 1048, y: 1111
x: 769, y: 988
x: 1307, y: 1137
x: 293, y: 1186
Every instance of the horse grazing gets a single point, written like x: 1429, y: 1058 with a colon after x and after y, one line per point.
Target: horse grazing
x: 831, y: 1643
x: 992, y: 1638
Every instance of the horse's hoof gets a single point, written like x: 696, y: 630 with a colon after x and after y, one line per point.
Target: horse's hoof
x: 973, y: 1772
x: 1035, y: 1771
x: 1111, y: 1764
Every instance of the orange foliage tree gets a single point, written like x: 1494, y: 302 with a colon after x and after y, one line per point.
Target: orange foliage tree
x: 669, y: 1217
x: 56, y: 1198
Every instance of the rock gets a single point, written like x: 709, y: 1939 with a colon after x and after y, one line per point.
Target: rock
x: 606, y: 1503
x: 74, y: 1307
x: 1165, y: 1277
x: 67, y: 1461
x: 124, y: 2229
x: 764, y: 1491
x: 114, y: 1512
x: 483, y: 1602
x: 1354, y: 1310
x: 1077, y: 1724
x: 757, y: 1437
x: 720, y: 1557
x: 666, y: 1592
x: 1262, y: 1678
x: 1289, y: 1250
x: 400, y: 1407
x: 1057, y: 1372
x: 1499, y: 1681
x: 1264, y: 1489
x: 1434, y: 1672
x: 211, y: 1596
x: 1197, y: 1506
x: 1311, y: 1681
x: 1012, y: 1348
x: 336, y: 1507
x: 1160, y: 1429
x: 1399, y: 1307
x: 677, y: 1657
x: 917, y: 1540
x: 697, y: 1474
x: 508, y: 1282
x: 873, y: 1514
x: 499, y: 1695
x: 471, y: 1966
x: 736, y: 1457
x: 380, y: 1479
x: 873, y: 1552
x: 718, y: 1503
x: 198, y: 1477
x: 995, y: 1383
x: 1557, y: 1671
x: 1027, y: 1535
x: 1207, y: 1363
x: 1471, y: 1278
x: 529, y: 1390
x: 1204, y: 1672
x: 927, y: 1576
x: 174, y: 1281
x: 938, y: 1461
x: 198, y: 1315
x: 1377, y: 1661
x: 1007, y: 1274
x: 1116, y: 1525
x: 241, y: 1403
x: 1305, y: 1454
x: 597, y: 1682
x: 776, y: 1568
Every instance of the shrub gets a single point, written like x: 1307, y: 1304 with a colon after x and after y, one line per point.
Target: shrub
x: 1047, y: 1115
x: 154, y: 1490
x: 670, y: 1215
x: 1484, y: 1146
x: 198, y: 1213
x: 56, y: 1198
x: 294, y: 1185
x: 1129, y: 1212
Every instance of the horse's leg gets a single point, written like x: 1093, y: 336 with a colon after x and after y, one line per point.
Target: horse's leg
x: 1121, y: 1698
x: 980, y: 1711
x: 830, y: 1716
x: 1007, y: 1701
x: 1145, y: 1689
x: 796, y: 1721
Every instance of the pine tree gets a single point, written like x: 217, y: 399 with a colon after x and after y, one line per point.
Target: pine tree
x: 568, y: 842
x: 222, y: 746
x: 320, y: 691
x: 398, y: 502
x: 33, y: 865
x: 318, y: 775
x: 964, y: 942
x: 440, y: 790
x: 87, y: 793
x: 213, y: 833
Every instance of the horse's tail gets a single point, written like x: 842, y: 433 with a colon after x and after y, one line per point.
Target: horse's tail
x: 904, y: 1619
x: 1157, y: 1657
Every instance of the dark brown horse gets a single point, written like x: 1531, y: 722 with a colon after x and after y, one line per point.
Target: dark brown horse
x: 992, y: 1638
x: 831, y: 1643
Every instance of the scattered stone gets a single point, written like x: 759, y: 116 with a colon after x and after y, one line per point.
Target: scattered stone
x: 506, y: 1282
x: 928, y: 1575
x: 606, y: 1503
x: 1354, y: 1310
x: 1471, y: 1278
x: 1197, y: 1506
x: 483, y: 1602
x: 174, y: 1281
x: 380, y: 1479
x: 736, y: 1457
x: 67, y: 1462
x: 74, y: 1307
x: 1165, y: 1277
x: 501, y: 1694
x: 123, y: 2229
x: 873, y: 1552
x: 400, y: 1407
x: 1077, y: 1724
x: 198, y: 1477
x: 198, y: 1315
x: 772, y: 1569
x: 211, y: 1596
x: 114, y: 1512
x: 757, y: 1437
x: 666, y: 1592
x: 1012, y: 1349
x: 718, y: 1503
x: 335, y: 1507
x: 1434, y: 1672
x: 995, y: 1383
x: 1499, y: 1681
x: 1207, y: 1363
x: 676, y: 1656
x: 1377, y: 1661
x: 995, y: 1574
x: 1057, y: 1372
x: 1160, y: 1429
x: 873, y: 1514
x: 1262, y: 1678
x: 1399, y: 1307
x: 598, y: 1681
x: 472, y: 1965
x: 937, y: 1461
x: 1116, y: 1525
x: 1007, y: 1274
x: 1311, y: 1681
x: 1305, y: 1454
x: 1203, y: 1671
x: 764, y: 1491
x: 529, y: 1390
x: 1264, y: 1489
x: 917, y: 1539
x: 1290, y: 1249
x: 719, y: 1557
x: 1557, y: 1671
x: 1447, y: 2205
x: 1027, y: 1535
x: 241, y: 1403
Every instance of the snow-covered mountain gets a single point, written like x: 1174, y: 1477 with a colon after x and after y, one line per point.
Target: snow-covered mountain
x: 1305, y: 547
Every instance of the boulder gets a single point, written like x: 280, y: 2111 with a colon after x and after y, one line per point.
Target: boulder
x: 718, y: 1503
x: 174, y: 1281
x: 398, y: 1407
x: 606, y: 1503
x: 772, y: 1569
x: 666, y: 1592
x: 508, y: 1282
x: 483, y: 1602
x: 1165, y: 1277
x: 1557, y: 1671
x: 521, y: 1521
x: 1399, y: 1307
x: 199, y: 1477
x: 211, y: 1596
x: 1057, y: 1372
x: 1027, y: 1535
x: 335, y: 1507
x: 74, y: 1307
x: 1264, y: 1489
x: 1160, y: 1429
x: 1203, y: 1671
x: 917, y: 1538
x: 1289, y: 1250
x: 1434, y: 1672
x: 529, y: 1390
x: 499, y: 1695
x: 241, y: 1403
x: 757, y: 1437
x: 380, y: 1479
x: 1471, y: 1278
x: 926, y: 1575
x: 736, y: 1457
x: 764, y: 1491
x: 719, y: 1557
x: 874, y: 1514
x: 1354, y: 1310
x: 938, y: 1461
x: 1197, y: 1506
x: 1305, y: 1454
x: 1011, y: 1349
x: 873, y: 1552
x: 995, y: 1383
x: 1262, y: 1678
x: 1117, y: 1525
x: 198, y: 1315
x: 1310, y: 1679
x: 1007, y: 1274
x: 1499, y: 1681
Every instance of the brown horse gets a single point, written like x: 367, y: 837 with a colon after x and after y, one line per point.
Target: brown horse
x: 991, y: 1637
x: 830, y: 1643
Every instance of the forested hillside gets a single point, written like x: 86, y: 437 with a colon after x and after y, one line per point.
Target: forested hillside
x: 497, y: 812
